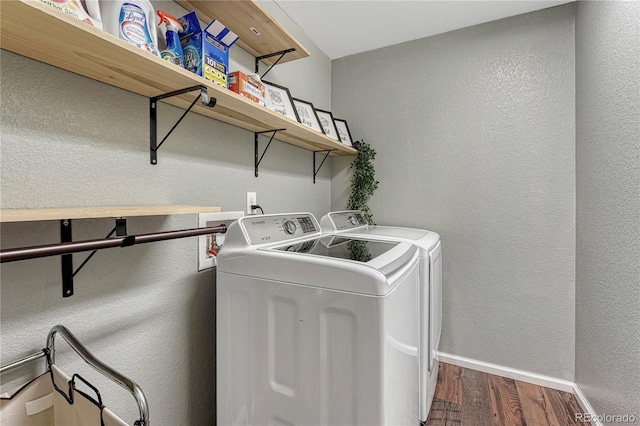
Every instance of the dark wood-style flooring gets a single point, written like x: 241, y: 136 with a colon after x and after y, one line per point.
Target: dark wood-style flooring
x: 467, y: 397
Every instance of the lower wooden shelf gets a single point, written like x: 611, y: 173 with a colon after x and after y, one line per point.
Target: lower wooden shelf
x: 33, y: 215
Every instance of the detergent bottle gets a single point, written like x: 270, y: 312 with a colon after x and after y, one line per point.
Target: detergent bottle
x: 76, y: 9
x: 131, y: 20
x: 170, y: 27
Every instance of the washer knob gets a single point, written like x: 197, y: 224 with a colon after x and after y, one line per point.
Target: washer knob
x: 289, y: 227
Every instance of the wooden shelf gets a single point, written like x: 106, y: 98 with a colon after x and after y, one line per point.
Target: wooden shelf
x: 37, y: 31
x: 32, y: 215
x: 242, y: 15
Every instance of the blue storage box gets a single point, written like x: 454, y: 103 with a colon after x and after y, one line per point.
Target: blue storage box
x: 206, y: 52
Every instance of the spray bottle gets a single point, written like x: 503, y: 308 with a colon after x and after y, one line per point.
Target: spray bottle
x: 170, y: 27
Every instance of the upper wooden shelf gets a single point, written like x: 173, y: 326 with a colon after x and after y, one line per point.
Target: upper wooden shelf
x: 40, y: 32
x: 33, y: 215
x: 240, y: 16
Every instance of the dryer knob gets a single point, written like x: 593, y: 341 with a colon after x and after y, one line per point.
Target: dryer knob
x: 289, y: 227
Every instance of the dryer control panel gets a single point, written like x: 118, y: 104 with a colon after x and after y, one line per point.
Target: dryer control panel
x: 275, y: 228
x: 341, y: 221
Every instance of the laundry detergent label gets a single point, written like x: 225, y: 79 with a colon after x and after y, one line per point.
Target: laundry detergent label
x: 192, y: 60
x: 133, y: 27
x: 215, y: 71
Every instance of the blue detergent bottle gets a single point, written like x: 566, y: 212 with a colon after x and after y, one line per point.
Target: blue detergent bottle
x: 171, y: 27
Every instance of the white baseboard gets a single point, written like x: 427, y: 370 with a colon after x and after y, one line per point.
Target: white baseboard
x: 524, y: 376
x: 586, y: 406
x: 511, y: 373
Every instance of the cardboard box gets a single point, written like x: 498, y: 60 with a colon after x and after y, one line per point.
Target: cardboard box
x: 206, y: 52
x: 247, y: 86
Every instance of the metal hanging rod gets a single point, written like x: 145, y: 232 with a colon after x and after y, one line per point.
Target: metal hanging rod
x: 93, y: 253
x: 33, y: 252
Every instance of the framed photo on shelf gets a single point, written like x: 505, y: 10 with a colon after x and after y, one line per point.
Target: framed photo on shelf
x: 343, y: 131
x: 307, y: 114
x: 277, y: 98
x: 326, y: 121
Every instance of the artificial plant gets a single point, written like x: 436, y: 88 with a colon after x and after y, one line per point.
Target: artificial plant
x: 363, y: 185
x: 363, y: 182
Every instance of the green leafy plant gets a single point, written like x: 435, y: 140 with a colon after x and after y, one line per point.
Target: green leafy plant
x: 363, y: 185
x: 363, y: 182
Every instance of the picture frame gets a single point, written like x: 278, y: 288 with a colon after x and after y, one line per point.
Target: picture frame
x: 343, y: 131
x: 307, y: 114
x: 327, y: 123
x: 277, y: 98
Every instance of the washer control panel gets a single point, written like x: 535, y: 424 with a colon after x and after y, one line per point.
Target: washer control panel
x: 289, y: 227
x: 347, y: 220
x: 274, y: 228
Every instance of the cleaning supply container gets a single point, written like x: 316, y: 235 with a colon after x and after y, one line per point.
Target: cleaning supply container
x: 75, y: 8
x: 169, y: 27
x: 131, y: 20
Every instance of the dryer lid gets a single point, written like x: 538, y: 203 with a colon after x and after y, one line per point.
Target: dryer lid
x: 353, y: 222
x: 395, y: 232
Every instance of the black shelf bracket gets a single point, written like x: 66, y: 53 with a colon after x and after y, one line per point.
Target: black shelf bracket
x: 270, y: 55
x: 153, y: 115
x: 256, y: 160
x: 66, y: 236
x: 315, y: 171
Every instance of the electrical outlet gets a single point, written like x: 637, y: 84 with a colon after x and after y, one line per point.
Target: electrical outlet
x: 252, y: 200
x: 208, y: 245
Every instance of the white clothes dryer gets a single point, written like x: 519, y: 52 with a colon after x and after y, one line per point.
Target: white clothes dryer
x: 314, y: 329
x: 352, y: 223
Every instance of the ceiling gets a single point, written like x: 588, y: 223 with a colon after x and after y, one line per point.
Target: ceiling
x: 342, y: 28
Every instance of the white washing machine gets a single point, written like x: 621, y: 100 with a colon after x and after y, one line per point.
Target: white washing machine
x: 352, y: 223
x: 314, y: 329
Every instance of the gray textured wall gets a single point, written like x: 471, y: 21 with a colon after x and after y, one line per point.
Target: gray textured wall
x: 608, y: 207
x: 71, y: 141
x: 475, y: 137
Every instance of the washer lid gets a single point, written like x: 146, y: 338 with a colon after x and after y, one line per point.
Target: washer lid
x: 360, y: 250
x: 385, y: 256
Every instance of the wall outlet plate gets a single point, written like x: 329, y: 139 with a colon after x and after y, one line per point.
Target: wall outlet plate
x: 252, y: 200
x: 208, y: 243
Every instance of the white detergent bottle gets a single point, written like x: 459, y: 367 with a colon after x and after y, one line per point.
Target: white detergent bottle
x: 131, y: 20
